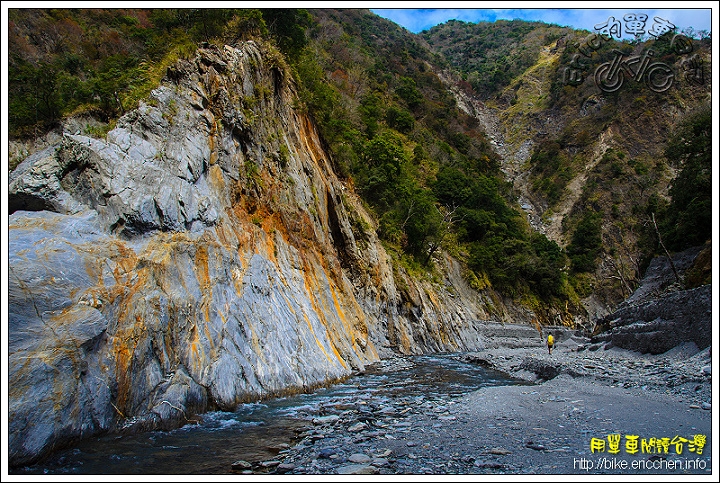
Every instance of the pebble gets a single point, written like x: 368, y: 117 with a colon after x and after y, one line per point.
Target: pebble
x: 357, y: 427
x: 359, y: 458
x: 241, y: 465
x: 333, y: 418
x: 285, y: 467
x: 357, y: 470
x: 430, y: 427
x: 500, y: 451
x: 326, y: 453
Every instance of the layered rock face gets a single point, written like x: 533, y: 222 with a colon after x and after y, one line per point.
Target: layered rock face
x: 658, y: 315
x: 204, y: 254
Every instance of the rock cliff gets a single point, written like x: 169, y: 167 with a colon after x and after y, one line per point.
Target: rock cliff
x: 661, y: 314
x: 202, y: 255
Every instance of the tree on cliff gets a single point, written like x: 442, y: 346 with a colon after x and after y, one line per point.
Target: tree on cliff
x: 687, y: 220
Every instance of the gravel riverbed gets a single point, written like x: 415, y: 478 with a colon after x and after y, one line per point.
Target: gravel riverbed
x: 562, y: 422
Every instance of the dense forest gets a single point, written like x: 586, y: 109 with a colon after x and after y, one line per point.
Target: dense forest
x: 426, y: 169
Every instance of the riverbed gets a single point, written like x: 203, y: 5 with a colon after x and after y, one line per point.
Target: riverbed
x: 511, y: 408
x: 252, y: 438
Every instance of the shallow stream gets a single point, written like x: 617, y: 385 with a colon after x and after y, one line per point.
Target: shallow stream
x: 259, y: 431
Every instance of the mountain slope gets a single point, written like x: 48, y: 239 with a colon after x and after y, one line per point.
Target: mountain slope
x: 537, y: 153
x: 579, y: 156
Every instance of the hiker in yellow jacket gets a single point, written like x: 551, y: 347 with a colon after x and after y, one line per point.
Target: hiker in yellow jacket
x: 550, y: 343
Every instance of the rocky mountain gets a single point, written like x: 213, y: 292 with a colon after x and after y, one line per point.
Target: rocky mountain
x: 282, y: 210
x: 583, y: 159
x: 204, y: 254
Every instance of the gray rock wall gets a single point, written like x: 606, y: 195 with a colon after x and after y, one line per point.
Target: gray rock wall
x: 202, y: 255
x: 657, y: 325
x: 660, y: 315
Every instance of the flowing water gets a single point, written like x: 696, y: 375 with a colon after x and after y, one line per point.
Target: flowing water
x: 258, y: 431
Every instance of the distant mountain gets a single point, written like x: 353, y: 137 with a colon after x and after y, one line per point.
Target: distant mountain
x: 490, y: 141
x: 591, y: 157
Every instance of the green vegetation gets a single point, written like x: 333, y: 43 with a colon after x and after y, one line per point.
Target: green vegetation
x: 490, y: 55
x: 614, y: 140
x: 103, y: 61
x: 586, y: 243
x: 687, y: 221
x: 67, y: 61
x: 425, y: 169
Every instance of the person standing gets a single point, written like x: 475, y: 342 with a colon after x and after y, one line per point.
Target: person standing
x: 550, y: 343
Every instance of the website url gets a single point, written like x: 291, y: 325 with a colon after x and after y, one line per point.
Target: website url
x: 605, y: 463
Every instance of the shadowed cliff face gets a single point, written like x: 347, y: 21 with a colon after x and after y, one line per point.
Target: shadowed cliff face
x: 202, y: 255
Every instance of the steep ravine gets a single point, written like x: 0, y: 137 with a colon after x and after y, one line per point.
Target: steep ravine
x: 512, y: 157
x: 203, y: 254
x: 515, y: 129
x: 515, y: 145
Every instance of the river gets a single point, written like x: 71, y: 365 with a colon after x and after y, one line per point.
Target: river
x: 260, y: 431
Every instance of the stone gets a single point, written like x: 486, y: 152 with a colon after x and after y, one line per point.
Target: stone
x: 279, y: 447
x: 241, y: 465
x: 326, y: 453
x: 322, y: 420
x: 359, y: 458
x: 500, y: 451
x: 357, y: 427
x: 285, y: 467
x: 357, y: 469
x: 657, y: 325
x: 535, y: 446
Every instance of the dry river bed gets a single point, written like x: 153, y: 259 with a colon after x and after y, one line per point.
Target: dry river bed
x: 659, y: 406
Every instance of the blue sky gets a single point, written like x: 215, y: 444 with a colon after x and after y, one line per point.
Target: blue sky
x: 416, y: 20
x: 696, y: 14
